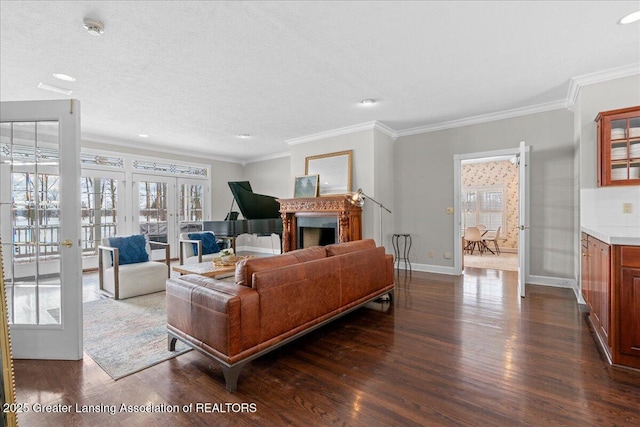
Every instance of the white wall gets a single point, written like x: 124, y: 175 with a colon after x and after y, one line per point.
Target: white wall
x: 363, y: 176
x: 383, y: 186
x: 273, y: 178
x: 424, y: 187
x: 603, y: 206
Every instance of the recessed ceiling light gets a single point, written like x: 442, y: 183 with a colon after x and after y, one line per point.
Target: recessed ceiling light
x: 56, y: 89
x: 368, y: 101
x: 244, y: 136
x: 65, y: 77
x: 143, y: 135
x: 93, y: 26
x: 632, y: 17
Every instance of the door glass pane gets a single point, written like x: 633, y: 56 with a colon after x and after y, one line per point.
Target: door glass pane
x: 98, y: 199
x: 153, y: 210
x: 191, y: 197
x: 30, y: 199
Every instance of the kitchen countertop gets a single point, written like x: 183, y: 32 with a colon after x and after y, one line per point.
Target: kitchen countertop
x: 629, y: 236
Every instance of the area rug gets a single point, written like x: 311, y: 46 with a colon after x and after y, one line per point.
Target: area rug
x: 504, y: 261
x: 129, y: 335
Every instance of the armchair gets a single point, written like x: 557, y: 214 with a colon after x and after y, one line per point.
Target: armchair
x: 125, y: 268
x: 198, y: 247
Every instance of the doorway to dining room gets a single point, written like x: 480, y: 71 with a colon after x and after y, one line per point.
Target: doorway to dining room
x: 489, y: 202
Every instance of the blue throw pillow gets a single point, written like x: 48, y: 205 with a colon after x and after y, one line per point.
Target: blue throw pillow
x: 131, y: 249
x: 209, y: 244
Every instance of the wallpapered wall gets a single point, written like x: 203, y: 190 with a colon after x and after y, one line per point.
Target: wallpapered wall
x: 497, y: 173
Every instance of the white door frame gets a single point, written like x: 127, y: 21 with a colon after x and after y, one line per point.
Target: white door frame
x: 62, y: 341
x: 457, y: 223
x: 523, y: 217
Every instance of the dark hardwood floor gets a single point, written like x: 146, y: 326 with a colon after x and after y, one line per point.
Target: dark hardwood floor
x: 450, y: 351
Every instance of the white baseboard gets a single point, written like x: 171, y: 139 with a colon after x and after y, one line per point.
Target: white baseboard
x: 557, y: 282
x: 428, y: 268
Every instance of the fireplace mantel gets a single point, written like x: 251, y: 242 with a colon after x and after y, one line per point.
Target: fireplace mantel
x: 349, y: 217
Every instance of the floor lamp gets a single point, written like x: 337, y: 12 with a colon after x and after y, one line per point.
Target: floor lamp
x: 358, y: 199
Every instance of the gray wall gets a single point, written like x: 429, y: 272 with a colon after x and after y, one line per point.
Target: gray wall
x: 424, y: 187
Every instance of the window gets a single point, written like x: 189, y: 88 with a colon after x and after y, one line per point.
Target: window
x: 35, y: 215
x: 484, y: 205
x: 99, y: 202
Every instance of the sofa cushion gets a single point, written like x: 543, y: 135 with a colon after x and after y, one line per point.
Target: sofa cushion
x: 246, y: 267
x: 131, y: 249
x: 356, y: 245
x: 209, y: 244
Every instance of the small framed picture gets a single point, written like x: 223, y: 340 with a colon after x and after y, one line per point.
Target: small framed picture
x: 306, y: 186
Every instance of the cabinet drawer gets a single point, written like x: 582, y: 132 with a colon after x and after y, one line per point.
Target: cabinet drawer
x: 630, y: 256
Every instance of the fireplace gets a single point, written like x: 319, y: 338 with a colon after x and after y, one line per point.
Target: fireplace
x: 318, y: 221
x: 317, y: 231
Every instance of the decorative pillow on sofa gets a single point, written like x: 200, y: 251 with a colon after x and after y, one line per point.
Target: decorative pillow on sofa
x: 131, y: 249
x: 209, y: 244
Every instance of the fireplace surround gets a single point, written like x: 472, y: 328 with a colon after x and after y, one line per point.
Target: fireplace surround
x: 319, y: 213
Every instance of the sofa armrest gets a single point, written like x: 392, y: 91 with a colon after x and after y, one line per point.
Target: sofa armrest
x: 221, y: 317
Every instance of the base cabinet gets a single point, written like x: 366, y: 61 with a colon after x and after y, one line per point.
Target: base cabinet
x: 611, y: 289
x: 629, y: 303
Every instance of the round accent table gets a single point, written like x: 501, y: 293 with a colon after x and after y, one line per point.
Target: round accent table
x: 401, y: 248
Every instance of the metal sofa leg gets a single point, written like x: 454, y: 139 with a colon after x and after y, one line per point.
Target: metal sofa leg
x: 171, y: 343
x: 231, y: 375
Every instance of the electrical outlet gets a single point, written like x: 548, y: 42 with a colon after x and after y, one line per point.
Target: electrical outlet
x: 431, y: 255
x: 447, y: 255
x: 627, y: 208
x: 449, y: 210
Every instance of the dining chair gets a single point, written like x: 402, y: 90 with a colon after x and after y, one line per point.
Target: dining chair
x: 473, y: 237
x: 493, y: 237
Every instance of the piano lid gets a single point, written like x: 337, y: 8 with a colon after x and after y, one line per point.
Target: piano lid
x: 252, y: 205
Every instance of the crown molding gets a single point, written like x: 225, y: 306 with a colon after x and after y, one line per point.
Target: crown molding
x: 379, y: 126
x: 268, y: 157
x: 576, y: 83
x: 483, y: 118
x: 344, y: 131
x: 154, y: 148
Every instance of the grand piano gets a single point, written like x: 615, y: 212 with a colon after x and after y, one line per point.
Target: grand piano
x: 261, y: 213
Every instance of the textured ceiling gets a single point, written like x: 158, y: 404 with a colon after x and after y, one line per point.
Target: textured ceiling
x: 193, y: 75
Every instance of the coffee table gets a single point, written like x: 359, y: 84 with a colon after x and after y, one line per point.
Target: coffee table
x: 208, y: 268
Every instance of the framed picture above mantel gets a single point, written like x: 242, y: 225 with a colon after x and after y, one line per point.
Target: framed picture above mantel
x: 334, y: 170
x: 306, y: 186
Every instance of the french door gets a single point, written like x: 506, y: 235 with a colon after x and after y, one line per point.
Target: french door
x: 40, y: 227
x: 164, y: 207
x: 102, y: 204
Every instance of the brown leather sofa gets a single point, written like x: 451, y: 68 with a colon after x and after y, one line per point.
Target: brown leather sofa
x: 274, y: 300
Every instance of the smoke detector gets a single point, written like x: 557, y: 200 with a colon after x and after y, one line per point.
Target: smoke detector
x: 93, y: 26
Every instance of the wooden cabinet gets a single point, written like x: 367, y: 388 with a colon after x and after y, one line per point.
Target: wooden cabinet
x: 629, y: 303
x: 619, y: 147
x: 611, y: 289
x: 596, y: 284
